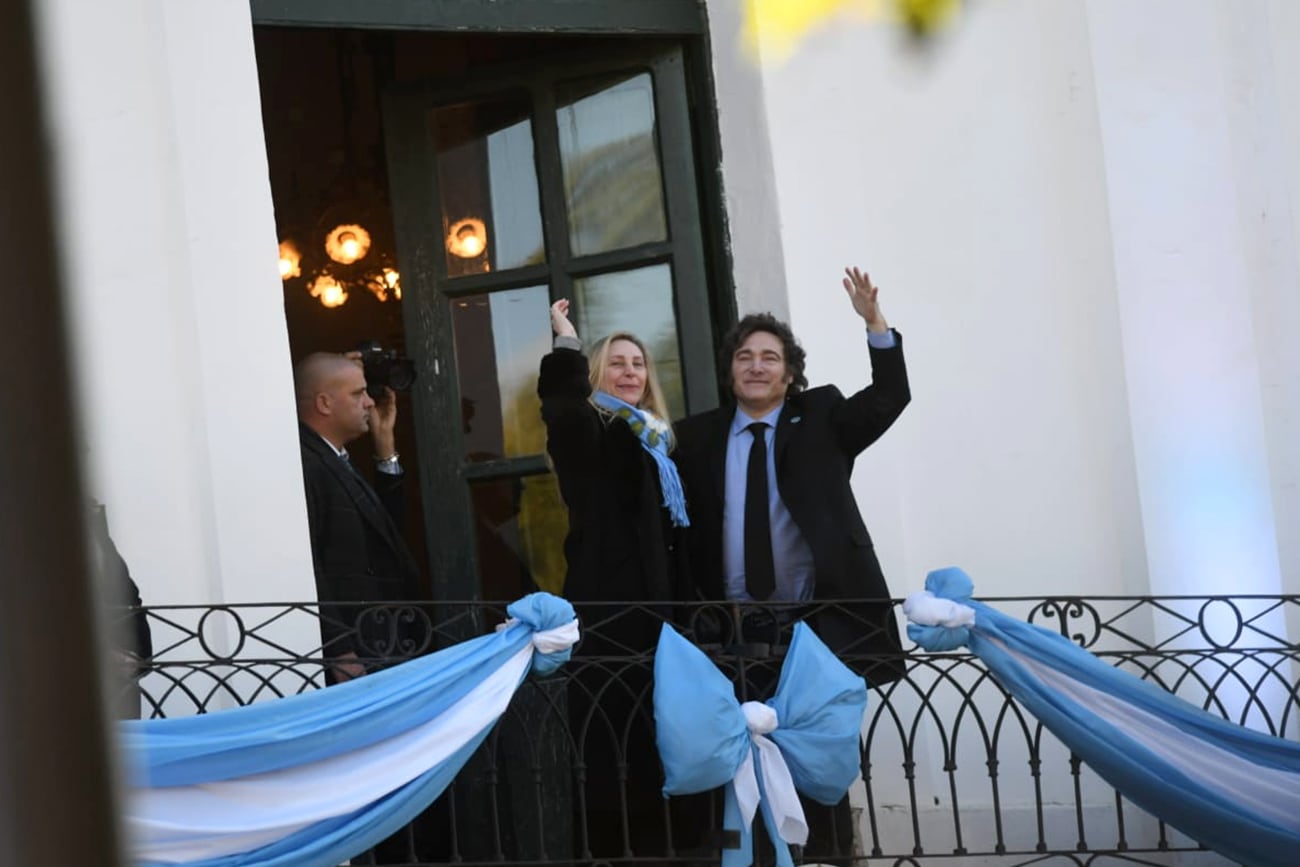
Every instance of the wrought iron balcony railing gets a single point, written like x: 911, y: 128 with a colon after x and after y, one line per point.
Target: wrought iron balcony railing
x: 951, y: 766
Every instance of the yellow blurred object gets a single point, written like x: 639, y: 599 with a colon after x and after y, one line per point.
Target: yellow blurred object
x: 924, y: 17
x: 775, y: 28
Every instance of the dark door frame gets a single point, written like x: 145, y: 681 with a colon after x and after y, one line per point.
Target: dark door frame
x: 455, y: 576
x: 598, y: 17
x: 413, y: 175
x: 685, y: 19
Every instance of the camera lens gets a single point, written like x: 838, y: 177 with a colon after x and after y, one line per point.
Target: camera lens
x: 401, y: 374
x: 384, y: 368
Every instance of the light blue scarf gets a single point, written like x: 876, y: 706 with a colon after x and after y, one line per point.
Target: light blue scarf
x: 656, y: 438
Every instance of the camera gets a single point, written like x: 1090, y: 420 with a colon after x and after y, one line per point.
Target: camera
x: 385, y: 369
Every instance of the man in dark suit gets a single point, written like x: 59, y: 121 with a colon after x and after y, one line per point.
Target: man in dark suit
x: 772, y: 511
x: 357, y: 549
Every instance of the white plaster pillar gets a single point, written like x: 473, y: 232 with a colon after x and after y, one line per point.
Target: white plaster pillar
x: 176, y: 302
x: 1171, y: 124
x: 242, y: 342
x: 748, y: 182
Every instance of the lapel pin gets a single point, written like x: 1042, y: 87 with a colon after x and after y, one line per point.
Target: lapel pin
x: 796, y: 419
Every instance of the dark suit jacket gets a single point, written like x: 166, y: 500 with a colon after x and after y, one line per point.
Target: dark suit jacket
x: 819, y: 435
x: 133, y: 637
x: 357, y: 551
x: 129, y: 632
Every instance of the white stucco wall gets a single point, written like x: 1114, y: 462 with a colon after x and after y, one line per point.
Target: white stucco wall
x: 1183, y: 137
x: 176, y: 302
x: 970, y: 181
x: 1080, y: 217
x: 1067, y: 298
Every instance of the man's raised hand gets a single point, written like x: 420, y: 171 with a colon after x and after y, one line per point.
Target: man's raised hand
x: 863, y: 294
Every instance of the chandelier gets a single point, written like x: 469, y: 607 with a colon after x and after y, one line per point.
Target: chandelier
x: 342, y: 261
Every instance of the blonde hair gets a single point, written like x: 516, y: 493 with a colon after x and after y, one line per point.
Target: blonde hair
x: 653, y: 397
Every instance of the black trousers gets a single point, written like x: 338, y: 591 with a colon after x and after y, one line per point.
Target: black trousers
x: 830, y: 827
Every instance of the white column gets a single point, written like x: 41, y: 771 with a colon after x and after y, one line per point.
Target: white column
x: 748, y: 182
x: 1181, y: 195
x: 177, y: 307
x: 242, y: 343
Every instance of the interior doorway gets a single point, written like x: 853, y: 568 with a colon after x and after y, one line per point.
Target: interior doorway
x: 481, y: 177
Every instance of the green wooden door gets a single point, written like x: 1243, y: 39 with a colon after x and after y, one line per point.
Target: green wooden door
x: 573, y: 178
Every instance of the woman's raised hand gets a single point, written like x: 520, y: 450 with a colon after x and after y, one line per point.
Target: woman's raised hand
x: 560, y: 323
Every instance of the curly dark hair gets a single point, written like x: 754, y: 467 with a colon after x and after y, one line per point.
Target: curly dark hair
x: 793, y: 352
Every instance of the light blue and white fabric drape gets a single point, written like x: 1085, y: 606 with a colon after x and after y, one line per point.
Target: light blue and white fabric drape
x: 1233, y: 789
x: 804, y: 738
x: 317, y: 778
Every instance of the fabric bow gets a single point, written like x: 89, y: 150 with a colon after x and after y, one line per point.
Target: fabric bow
x: 803, y: 739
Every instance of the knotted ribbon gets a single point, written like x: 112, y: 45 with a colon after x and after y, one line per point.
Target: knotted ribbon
x: 314, y: 779
x: 803, y: 739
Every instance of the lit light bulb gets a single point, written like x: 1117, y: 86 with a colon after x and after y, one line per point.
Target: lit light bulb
x: 328, y: 291
x: 384, y: 284
x: 467, y: 239
x: 290, y: 261
x: 393, y: 281
x: 333, y: 296
x: 470, y: 243
x: 349, y: 245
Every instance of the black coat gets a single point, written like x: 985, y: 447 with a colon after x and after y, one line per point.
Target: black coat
x: 621, y: 545
x: 819, y: 435
x: 357, y: 550
x: 621, y: 548
x: 130, y: 633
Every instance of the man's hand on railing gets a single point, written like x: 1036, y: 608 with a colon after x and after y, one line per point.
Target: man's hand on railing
x: 346, y: 667
x: 129, y: 665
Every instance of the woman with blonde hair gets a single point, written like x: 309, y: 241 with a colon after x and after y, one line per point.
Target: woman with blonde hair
x: 608, y: 438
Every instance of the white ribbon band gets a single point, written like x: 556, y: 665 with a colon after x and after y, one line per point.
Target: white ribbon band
x: 778, y: 785
x: 925, y: 609
x: 211, y: 820
x: 550, y: 640
x: 746, y: 786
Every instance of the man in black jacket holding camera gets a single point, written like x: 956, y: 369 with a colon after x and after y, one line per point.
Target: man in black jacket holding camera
x: 357, y: 548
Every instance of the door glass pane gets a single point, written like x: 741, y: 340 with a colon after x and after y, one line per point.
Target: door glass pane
x: 487, y: 180
x: 519, y: 527
x: 612, y: 182
x: 500, y: 340
x: 639, y: 301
